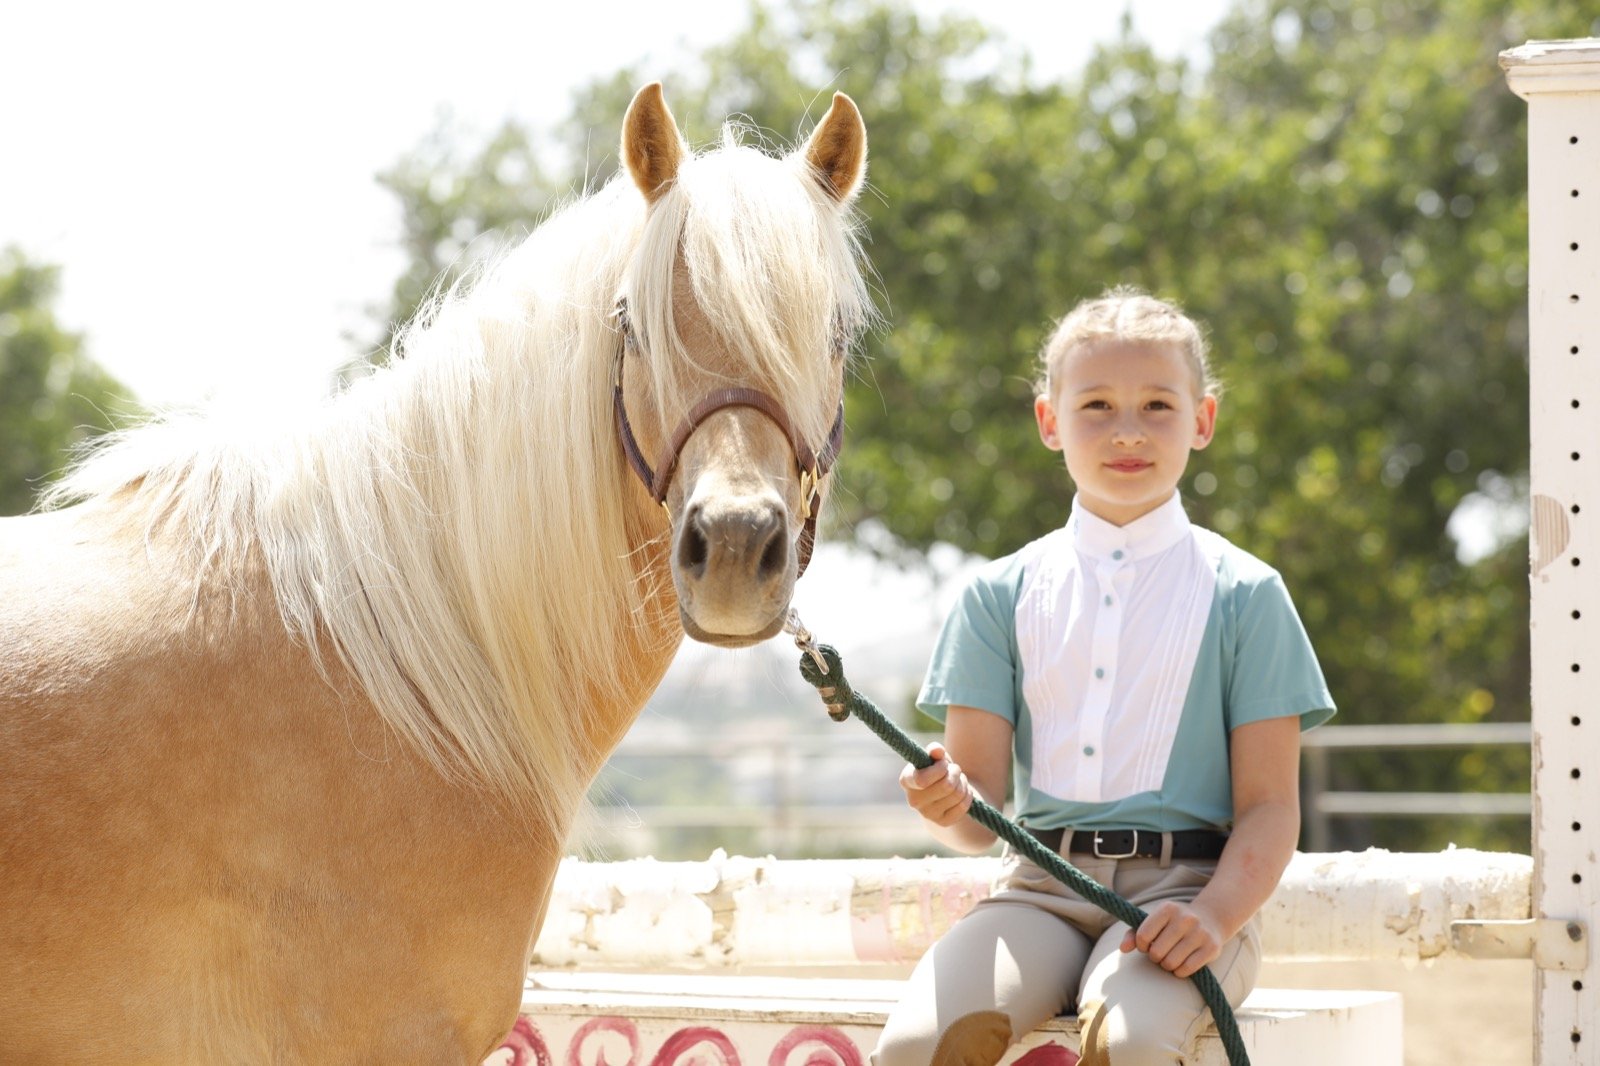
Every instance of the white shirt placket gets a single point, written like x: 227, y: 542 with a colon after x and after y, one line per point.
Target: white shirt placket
x: 1113, y: 578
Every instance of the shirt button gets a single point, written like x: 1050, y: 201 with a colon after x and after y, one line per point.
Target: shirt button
x: 1117, y: 554
x: 1108, y: 601
x: 1098, y: 672
x: 1089, y: 750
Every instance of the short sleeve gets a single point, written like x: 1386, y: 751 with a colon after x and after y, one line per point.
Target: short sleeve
x: 974, y: 662
x: 1274, y: 672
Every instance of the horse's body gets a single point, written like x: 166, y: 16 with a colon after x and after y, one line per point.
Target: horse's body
x: 293, y: 724
x: 212, y: 854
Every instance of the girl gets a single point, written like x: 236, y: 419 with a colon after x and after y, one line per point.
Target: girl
x: 1150, y: 682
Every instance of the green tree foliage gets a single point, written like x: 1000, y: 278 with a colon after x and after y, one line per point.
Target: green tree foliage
x: 52, y: 396
x: 1339, y: 192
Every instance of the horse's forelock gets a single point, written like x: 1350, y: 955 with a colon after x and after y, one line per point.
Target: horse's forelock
x: 775, y: 272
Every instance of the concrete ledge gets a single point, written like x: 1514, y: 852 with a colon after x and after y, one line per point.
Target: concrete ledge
x: 779, y: 1021
x: 732, y: 912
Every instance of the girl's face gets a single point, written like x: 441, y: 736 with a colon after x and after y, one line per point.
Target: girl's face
x: 1126, y: 418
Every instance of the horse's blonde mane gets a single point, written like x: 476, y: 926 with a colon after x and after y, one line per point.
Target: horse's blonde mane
x: 456, y: 524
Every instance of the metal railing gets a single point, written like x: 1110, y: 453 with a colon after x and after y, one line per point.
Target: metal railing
x: 1320, y: 804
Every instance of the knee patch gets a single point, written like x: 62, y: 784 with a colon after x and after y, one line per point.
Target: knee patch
x: 1104, y: 1040
x: 1094, y: 1040
x: 977, y: 1039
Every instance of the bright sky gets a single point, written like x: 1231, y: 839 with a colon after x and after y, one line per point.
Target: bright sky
x: 204, y: 173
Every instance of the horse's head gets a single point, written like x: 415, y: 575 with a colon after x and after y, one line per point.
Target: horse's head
x: 736, y: 316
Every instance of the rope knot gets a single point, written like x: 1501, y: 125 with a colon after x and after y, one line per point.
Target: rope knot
x: 830, y: 684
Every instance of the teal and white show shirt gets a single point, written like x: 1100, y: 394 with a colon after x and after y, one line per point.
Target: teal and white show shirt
x: 1123, y: 657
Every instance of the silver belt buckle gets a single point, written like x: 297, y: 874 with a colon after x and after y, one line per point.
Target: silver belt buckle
x: 1124, y: 855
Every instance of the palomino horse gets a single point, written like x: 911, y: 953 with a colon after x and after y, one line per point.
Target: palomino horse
x: 294, y: 718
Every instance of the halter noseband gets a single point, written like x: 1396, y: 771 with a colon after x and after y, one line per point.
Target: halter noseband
x: 813, y: 466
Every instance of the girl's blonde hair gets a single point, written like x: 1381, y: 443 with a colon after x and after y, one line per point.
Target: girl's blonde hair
x: 1127, y: 314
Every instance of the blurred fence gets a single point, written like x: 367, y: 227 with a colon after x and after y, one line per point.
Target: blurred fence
x: 833, y: 795
x: 1321, y: 806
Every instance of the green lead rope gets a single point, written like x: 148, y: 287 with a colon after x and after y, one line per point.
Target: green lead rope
x: 821, y: 668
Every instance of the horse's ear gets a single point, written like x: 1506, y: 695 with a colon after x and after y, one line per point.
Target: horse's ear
x: 837, y: 150
x: 652, y: 148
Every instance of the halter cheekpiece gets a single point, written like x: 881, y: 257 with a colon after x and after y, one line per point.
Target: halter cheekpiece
x: 813, y: 465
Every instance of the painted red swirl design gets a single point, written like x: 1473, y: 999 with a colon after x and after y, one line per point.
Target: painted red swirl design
x: 594, y: 1036
x: 821, y: 1045
x: 683, y: 1048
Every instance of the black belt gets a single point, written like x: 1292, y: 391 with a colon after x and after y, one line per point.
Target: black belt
x: 1134, y: 843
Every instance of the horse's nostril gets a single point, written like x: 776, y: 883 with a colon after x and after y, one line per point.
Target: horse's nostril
x: 775, y: 557
x: 693, y: 547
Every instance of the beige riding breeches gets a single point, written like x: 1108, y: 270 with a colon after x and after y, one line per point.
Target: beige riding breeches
x: 1035, y: 949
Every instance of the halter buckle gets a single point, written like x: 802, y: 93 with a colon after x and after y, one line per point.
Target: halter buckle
x: 810, y: 480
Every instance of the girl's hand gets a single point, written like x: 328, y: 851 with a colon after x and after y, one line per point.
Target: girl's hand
x: 940, y: 793
x: 1178, y: 937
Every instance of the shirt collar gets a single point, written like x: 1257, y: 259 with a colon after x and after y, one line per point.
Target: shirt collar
x: 1145, y: 536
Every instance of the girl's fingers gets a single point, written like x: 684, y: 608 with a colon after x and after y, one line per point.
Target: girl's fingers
x: 1190, y: 955
x: 1165, y: 944
x: 1191, y: 963
x: 926, y: 776
x: 1174, y: 939
x: 913, y: 779
x: 954, y: 811
x: 940, y: 792
x: 1149, y: 930
x: 944, y: 804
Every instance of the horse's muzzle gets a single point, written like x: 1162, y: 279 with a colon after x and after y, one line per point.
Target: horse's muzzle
x: 725, y: 640
x: 734, y: 567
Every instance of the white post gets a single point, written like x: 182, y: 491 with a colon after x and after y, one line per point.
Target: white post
x: 1560, y: 80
